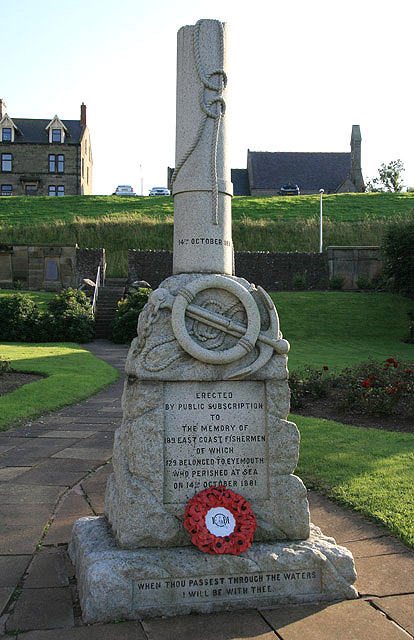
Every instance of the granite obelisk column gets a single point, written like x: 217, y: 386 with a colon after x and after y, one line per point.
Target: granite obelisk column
x: 202, y: 185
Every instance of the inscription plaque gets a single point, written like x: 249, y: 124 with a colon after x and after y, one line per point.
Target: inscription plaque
x: 229, y: 588
x: 214, y: 433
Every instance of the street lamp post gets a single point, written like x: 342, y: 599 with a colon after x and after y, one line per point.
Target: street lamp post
x: 320, y: 223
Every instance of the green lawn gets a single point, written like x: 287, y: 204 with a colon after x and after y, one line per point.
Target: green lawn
x: 335, y: 329
x: 369, y: 470
x: 72, y: 374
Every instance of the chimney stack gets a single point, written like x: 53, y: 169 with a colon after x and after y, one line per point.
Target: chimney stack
x: 356, y: 169
x: 2, y: 108
x: 83, y: 114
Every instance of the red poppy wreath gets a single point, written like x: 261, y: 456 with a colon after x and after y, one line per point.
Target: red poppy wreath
x: 220, y: 521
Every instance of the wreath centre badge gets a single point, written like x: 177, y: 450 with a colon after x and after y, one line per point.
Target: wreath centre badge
x: 220, y: 521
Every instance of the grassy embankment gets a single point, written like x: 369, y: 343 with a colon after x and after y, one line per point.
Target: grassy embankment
x: 259, y: 224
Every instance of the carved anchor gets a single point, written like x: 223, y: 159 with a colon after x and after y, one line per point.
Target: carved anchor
x: 249, y: 336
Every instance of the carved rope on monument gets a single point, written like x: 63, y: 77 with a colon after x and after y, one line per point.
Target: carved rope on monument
x: 219, y: 101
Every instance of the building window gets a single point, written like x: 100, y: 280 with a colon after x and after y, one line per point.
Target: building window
x: 56, y: 163
x: 6, y: 134
x: 52, y: 190
x: 31, y: 189
x: 6, y: 162
x: 83, y: 167
x: 56, y: 135
x: 6, y: 190
x: 61, y: 190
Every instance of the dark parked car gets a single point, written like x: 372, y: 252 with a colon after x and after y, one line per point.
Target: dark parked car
x: 289, y: 189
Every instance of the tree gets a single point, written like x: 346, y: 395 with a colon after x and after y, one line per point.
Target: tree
x: 389, y: 178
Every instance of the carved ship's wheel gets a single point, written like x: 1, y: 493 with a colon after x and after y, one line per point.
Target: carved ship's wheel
x: 244, y: 345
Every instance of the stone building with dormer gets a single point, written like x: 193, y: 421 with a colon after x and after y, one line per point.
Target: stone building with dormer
x: 44, y: 157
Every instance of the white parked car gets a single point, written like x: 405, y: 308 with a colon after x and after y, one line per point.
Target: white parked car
x: 159, y: 191
x: 124, y: 190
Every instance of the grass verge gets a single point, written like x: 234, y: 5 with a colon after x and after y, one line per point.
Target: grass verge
x: 72, y: 374
x: 369, y: 470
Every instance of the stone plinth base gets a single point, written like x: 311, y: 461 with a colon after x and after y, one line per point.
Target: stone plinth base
x: 144, y: 583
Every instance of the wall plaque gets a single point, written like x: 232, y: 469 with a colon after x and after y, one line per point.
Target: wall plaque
x: 215, y: 433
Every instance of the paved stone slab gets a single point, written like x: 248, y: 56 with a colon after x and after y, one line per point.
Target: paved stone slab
x: 72, y: 504
x: 41, y: 476
x: 342, y: 524
x: 100, y: 440
x: 32, y: 451
x: 67, y: 434
x: 5, y: 595
x: 84, y: 453
x: 241, y: 625
x: 353, y: 620
x: 400, y: 609
x: 24, y: 514
x: 12, y: 569
x: 386, y: 575
x: 49, y: 568
x: 377, y: 547
x: 42, y: 609
x: 119, y: 631
x: 10, y: 473
x: 94, y: 486
x: 27, y: 494
x: 61, y: 529
x: 20, y: 539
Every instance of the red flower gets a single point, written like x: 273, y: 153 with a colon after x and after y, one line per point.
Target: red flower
x: 235, y: 505
x: 325, y: 368
x: 366, y: 384
x: 372, y: 378
x: 393, y: 362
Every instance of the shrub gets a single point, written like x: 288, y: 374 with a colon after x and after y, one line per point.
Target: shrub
x: 19, y: 316
x: 124, y: 326
x: 5, y: 366
x: 336, y: 282
x: 69, y: 318
x: 364, y: 283
x: 398, y: 248
x: 299, y: 281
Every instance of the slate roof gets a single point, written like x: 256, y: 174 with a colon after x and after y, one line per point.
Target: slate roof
x: 34, y: 130
x: 240, y: 180
x: 310, y: 171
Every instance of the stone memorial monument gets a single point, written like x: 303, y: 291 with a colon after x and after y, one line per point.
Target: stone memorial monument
x: 205, y: 404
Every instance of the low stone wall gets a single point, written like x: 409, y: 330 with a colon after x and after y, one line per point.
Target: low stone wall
x: 274, y: 271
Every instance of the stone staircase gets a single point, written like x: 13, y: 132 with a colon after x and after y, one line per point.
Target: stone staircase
x: 108, y: 298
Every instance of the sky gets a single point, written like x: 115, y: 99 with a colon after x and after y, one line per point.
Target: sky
x: 300, y: 74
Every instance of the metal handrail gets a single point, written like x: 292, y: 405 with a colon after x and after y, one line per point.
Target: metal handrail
x: 96, y: 290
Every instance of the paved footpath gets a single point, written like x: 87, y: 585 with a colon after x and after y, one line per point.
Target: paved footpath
x: 54, y: 470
